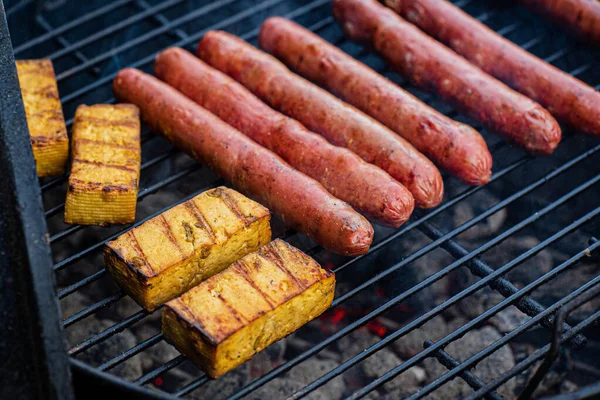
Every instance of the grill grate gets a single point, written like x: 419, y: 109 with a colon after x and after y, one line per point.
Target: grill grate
x: 89, y: 44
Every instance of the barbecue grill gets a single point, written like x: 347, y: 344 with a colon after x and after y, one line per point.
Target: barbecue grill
x: 553, y: 199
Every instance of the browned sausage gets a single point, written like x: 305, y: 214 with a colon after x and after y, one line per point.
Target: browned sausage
x: 566, y: 97
x: 453, y: 146
x: 296, y: 198
x: 364, y: 186
x: 433, y: 67
x: 580, y: 17
x: 323, y: 113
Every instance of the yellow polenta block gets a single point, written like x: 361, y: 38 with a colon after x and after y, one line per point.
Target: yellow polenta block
x: 258, y: 300
x: 175, y: 251
x: 105, y: 167
x: 45, y: 120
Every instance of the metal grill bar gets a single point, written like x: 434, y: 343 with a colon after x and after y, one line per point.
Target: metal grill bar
x: 191, y: 39
x: 105, y: 334
x: 533, y: 358
x: 108, y: 31
x: 61, y: 40
x: 131, y: 352
x: 506, y: 288
x: 420, y: 321
x: 500, y: 342
x: 467, y: 225
x: 86, y: 312
x: 70, y: 25
x: 161, y: 19
x: 450, y: 362
x: 160, y: 370
x: 192, y: 386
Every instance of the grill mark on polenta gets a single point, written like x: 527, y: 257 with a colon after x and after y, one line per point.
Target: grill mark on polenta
x: 41, y: 140
x: 232, y: 205
x: 236, y: 314
x: 168, y: 232
x: 98, y: 142
x: 200, y: 220
x: 100, y: 163
x: 140, y: 252
x: 241, y: 267
x: 271, y: 253
x: 195, y: 322
x: 129, y: 122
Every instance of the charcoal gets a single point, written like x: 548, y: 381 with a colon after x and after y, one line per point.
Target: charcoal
x: 74, y: 303
x: 356, y: 342
x: 103, y: 351
x: 225, y: 386
x: 414, y: 273
x: 470, y: 208
x: 385, y: 360
x: 479, y: 302
x: 488, y: 369
x: 281, y: 388
x: 158, y: 354
x: 268, y: 359
x: 312, y: 369
x: 531, y: 269
x: 412, y: 343
x: 508, y: 319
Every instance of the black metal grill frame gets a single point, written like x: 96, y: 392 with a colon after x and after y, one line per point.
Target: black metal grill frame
x: 423, y: 221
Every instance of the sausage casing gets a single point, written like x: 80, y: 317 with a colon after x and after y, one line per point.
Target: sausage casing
x: 367, y: 188
x: 321, y: 112
x: 435, y: 68
x: 429, y: 131
x: 565, y: 96
x: 297, y: 199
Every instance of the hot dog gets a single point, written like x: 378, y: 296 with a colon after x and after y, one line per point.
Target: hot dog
x: 367, y: 188
x: 323, y: 113
x: 433, y: 67
x: 580, y: 17
x: 566, y: 97
x: 297, y: 199
x: 428, y: 130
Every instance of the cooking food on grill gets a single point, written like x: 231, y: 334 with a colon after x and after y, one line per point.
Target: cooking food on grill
x: 364, y: 186
x: 258, y: 300
x: 428, y: 130
x: 175, y: 251
x: 565, y: 96
x: 580, y: 17
x: 433, y: 67
x: 45, y: 120
x: 297, y: 199
x: 105, y: 165
x: 321, y: 112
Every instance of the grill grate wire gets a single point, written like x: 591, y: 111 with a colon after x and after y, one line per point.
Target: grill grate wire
x: 89, y: 65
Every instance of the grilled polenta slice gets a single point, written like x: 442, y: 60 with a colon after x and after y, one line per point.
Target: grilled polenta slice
x: 173, y: 252
x: 45, y: 120
x: 258, y: 300
x: 105, y: 167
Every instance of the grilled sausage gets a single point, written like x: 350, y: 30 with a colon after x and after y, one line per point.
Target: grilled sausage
x: 296, y: 198
x: 364, y: 186
x: 453, y: 146
x: 580, y: 17
x: 433, y: 67
x: 323, y: 113
x: 566, y: 97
